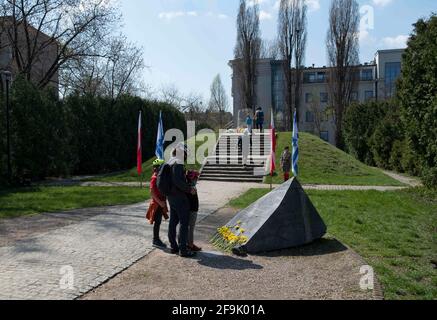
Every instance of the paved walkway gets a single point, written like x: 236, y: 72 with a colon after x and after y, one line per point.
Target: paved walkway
x: 41, y: 255
x: 325, y: 269
x: 410, y: 181
x: 41, y: 264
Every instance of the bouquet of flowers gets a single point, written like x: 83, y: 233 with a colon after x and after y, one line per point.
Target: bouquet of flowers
x: 192, y: 177
x: 227, y: 238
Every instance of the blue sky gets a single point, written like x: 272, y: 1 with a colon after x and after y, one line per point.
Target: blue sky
x: 188, y: 42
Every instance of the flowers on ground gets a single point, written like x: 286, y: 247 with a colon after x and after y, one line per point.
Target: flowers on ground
x: 226, y: 239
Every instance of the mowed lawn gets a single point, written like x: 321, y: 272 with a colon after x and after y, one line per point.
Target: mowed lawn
x: 29, y: 201
x: 395, y: 232
x: 322, y: 163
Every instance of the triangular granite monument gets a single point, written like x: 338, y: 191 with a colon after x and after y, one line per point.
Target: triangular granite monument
x: 282, y: 219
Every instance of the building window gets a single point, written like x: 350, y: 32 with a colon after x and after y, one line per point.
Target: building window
x: 367, y: 75
x: 308, y: 97
x: 309, y: 77
x: 314, y: 77
x: 354, y: 96
x: 309, y: 116
x: 321, y: 76
x: 324, y: 97
x: 392, y: 73
x: 368, y: 95
x: 324, y: 135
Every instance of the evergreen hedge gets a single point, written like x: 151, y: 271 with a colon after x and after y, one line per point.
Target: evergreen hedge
x: 79, y: 134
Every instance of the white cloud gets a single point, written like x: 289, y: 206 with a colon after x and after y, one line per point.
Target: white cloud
x: 397, y: 42
x: 313, y: 5
x: 264, y: 15
x: 221, y: 16
x: 170, y: 15
x: 381, y: 3
x: 251, y: 3
x: 366, y: 39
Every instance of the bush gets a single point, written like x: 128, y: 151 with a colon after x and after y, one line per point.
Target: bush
x: 383, y: 140
x: 409, y: 161
x: 430, y: 178
x: 396, y: 156
x: 417, y: 93
x: 80, y: 135
x: 359, y: 124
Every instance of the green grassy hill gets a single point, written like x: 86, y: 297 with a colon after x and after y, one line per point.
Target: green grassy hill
x: 319, y: 163
x: 322, y: 163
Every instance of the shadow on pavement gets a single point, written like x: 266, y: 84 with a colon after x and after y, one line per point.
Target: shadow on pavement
x: 223, y: 262
x: 318, y: 248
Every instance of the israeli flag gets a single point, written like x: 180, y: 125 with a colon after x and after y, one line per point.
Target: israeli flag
x: 159, y: 152
x: 295, y: 144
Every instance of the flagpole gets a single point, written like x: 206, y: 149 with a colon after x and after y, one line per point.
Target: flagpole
x: 139, y: 151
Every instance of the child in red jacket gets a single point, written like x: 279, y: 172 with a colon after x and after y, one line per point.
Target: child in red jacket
x: 158, y: 206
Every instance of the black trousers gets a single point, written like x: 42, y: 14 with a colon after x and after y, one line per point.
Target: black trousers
x: 157, y: 224
x: 179, y: 215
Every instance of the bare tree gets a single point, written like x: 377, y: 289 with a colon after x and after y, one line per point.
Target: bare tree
x: 54, y: 30
x: 292, y: 35
x: 299, y: 50
x: 219, y: 100
x: 125, y: 64
x: 113, y: 74
x: 171, y: 95
x: 247, y: 51
x: 194, y: 107
x: 317, y: 111
x: 343, y: 54
x: 269, y: 49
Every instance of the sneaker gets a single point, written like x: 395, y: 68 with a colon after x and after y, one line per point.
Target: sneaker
x: 187, y: 254
x: 174, y: 251
x: 159, y: 244
x: 195, y: 248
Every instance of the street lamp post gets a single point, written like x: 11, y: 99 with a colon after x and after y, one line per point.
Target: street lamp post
x: 6, y: 77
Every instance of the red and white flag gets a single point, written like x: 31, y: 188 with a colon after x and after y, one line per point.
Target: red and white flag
x: 139, y: 149
x: 273, y: 145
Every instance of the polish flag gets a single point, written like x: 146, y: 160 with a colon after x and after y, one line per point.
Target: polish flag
x: 273, y: 145
x: 139, y: 149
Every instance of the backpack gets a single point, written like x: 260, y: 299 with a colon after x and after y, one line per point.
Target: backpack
x: 164, y: 181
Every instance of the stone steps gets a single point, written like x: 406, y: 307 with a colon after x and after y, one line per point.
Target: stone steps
x: 231, y: 179
x: 226, y: 164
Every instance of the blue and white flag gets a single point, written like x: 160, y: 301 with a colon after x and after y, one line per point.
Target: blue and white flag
x: 295, y: 144
x: 159, y: 152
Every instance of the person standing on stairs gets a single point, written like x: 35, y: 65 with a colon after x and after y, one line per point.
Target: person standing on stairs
x: 246, y: 142
x: 259, y: 119
x: 249, y: 123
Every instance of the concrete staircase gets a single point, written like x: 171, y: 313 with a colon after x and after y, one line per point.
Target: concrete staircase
x: 226, y: 164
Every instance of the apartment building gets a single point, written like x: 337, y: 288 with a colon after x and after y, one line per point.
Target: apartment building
x: 375, y: 80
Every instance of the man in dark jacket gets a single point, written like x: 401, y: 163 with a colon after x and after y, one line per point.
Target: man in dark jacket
x: 179, y: 203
